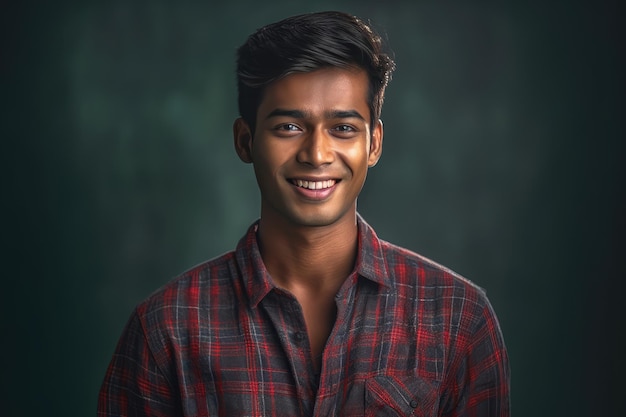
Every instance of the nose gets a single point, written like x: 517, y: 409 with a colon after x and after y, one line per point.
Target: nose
x: 316, y: 149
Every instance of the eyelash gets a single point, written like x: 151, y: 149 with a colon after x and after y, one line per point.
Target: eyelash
x: 344, y: 128
x: 291, y: 127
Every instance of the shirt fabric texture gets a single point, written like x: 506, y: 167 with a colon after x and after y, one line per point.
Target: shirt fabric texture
x: 410, y: 338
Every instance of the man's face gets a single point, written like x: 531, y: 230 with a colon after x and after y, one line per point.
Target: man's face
x: 312, y: 146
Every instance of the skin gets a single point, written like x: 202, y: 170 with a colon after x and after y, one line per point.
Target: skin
x: 311, y: 127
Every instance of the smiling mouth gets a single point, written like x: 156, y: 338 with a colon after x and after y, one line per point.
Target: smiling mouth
x: 314, y: 185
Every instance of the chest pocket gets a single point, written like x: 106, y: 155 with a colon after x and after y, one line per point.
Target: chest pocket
x: 401, y: 396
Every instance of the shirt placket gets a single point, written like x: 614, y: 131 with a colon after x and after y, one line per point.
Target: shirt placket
x: 332, y: 372
x: 288, y: 320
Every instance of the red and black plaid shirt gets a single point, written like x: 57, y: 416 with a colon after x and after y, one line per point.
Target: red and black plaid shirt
x: 410, y: 338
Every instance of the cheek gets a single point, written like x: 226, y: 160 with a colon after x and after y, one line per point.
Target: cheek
x: 268, y: 161
x: 356, y: 157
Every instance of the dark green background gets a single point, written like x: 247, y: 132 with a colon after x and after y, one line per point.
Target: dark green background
x: 503, y: 160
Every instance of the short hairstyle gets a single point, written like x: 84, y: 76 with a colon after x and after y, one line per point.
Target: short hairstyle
x: 306, y: 43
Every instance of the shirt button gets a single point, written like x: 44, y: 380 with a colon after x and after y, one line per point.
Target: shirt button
x: 299, y: 336
x: 413, y: 404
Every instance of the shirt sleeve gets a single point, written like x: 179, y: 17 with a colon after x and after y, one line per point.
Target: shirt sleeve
x: 479, y: 382
x: 134, y: 384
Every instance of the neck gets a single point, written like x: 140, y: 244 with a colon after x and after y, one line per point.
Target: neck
x: 317, y: 259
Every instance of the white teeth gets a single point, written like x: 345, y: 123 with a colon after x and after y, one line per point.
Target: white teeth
x: 314, y: 185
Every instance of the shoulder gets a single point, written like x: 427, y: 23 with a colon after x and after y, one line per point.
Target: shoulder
x: 410, y: 269
x: 436, y: 293
x: 443, y: 299
x: 413, y: 276
x: 191, y: 290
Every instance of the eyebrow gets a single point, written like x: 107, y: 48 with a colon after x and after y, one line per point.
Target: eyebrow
x: 331, y: 114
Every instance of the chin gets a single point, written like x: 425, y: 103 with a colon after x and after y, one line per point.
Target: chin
x: 318, y: 219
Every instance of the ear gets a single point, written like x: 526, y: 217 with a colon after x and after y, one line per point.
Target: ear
x: 376, y: 144
x: 243, y: 140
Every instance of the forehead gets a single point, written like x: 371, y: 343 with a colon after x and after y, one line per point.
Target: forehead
x: 318, y: 92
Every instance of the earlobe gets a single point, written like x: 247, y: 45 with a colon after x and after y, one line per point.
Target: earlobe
x: 243, y: 140
x: 376, y: 145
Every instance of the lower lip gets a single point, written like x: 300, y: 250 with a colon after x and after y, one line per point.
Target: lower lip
x: 319, y: 195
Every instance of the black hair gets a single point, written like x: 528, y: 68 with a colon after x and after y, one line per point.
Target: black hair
x: 306, y: 43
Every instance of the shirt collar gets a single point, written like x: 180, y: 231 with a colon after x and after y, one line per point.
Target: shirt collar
x: 370, y: 262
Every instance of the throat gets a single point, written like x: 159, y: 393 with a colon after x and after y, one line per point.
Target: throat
x: 308, y: 258
x: 320, y: 316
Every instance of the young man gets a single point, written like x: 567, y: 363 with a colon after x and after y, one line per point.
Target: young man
x: 312, y: 314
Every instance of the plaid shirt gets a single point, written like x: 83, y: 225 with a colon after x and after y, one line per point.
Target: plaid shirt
x: 410, y: 338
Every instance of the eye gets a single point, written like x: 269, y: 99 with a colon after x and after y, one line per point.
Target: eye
x: 286, y: 129
x: 289, y: 127
x: 345, y: 131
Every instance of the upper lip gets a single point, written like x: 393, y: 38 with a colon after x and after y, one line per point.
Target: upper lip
x: 316, y: 184
x: 314, y: 179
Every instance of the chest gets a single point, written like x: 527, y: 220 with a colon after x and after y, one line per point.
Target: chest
x: 375, y: 358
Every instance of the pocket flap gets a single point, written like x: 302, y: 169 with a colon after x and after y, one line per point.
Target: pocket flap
x: 388, y: 395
